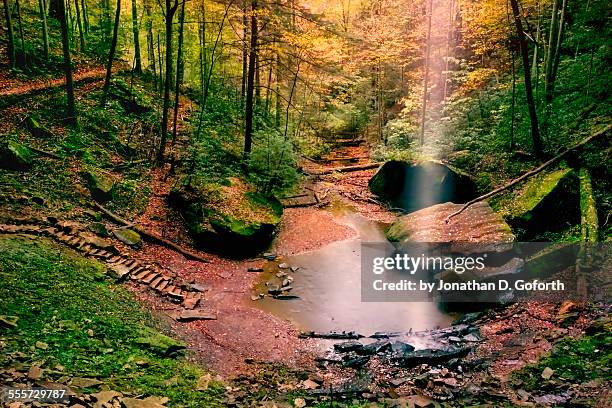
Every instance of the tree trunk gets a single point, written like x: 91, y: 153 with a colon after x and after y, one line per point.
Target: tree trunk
x: 557, y: 56
x: 150, y: 42
x: 449, y: 40
x: 244, y: 52
x: 45, y: 33
x: 111, y: 54
x: 138, y: 66
x: 426, y: 72
x: 533, y: 117
x: 11, y: 35
x: 248, y: 112
x: 552, y: 46
x: 18, y: 9
x: 513, y: 106
x: 72, y: 117
x: 80, y: 25
x: 170, y: 10
x: 179, y: 71
x: 85, y: 16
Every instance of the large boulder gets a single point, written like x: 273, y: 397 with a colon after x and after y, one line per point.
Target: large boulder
x: 230, y: 218
x: 478, y: 224
x: 14, y: 156
x: 548, y: 201
x: 100, y: 185
x: 415, y: 186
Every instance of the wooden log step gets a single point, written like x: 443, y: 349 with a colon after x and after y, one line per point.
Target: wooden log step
x: 149, y: 278
x: 141, y: 274
x: 162, y: 284
x: 156, y: 281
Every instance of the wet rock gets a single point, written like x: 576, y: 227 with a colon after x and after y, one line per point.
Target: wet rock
x: 283, y: 265
x: 128, y: 237
x: 100, y: 185
x: 472, y: 337
x: 356, y: 362
x: 431, y: 356
x: 269, y: 256
x: 401, y: 348
x: 14, y: 156
x: 375, y: 348
x: 348, y: 346
x: 413, y: 187
x: 477, y: 229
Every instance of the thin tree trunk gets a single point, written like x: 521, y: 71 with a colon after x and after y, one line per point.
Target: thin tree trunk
x: 426, y: 72
x: 533, y: 117
x: 557, y: 57
x: 513, y: 106
x: 85, y: 16
x: 179, y: 71
x: 18, y: 8
x: 248, y: 116
x: 72, y: 116
x: 170, y: 10
x: 111, y: 54
x: 449, y: 40
x: 138, y: 66
x: 11, y: 35
x: 160, y: 65
x: 80, y: 25
x: 45, y: 33
x: 244, y: 52
x: 268, y: 86
x: 552, y: 37
x: 150, y: 42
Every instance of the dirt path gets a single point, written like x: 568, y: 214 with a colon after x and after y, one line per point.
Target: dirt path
x: 11, y: 87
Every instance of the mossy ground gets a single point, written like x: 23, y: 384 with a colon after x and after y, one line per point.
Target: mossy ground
x: 89, y: 324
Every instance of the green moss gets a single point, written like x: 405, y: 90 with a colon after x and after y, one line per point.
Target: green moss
x: 573, y: 360
x: 520, y: 204
x: 588, y: 208
x: 93, y: 327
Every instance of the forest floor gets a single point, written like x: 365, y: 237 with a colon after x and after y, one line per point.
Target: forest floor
x: 261, y: 357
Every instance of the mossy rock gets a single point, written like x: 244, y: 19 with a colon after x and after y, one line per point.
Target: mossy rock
x: 36, y: 129
x: 128, y: 237
x: 158, y: 343
x: 415, y: 186
x: 15, y: 156
x: 230, y: 218
x: 548, y: 201
x: 100, y: 185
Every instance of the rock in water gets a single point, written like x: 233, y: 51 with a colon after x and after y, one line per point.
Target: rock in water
x: 413, y: 187
x: 100, y: 186
x: 128, y: 237
x: 477, y: 224
x: 14, y: 156
x: 228, y: 218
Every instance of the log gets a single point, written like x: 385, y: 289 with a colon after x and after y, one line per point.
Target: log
x: 346, y: 169
x: 44, y: 153
x: 149, y: 235
x: 532, y: 172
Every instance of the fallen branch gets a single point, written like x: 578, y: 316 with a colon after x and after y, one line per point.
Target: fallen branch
x: 44, y: 153
x: 151, y: 236
x: 530, y: 173
x: 345, y: 169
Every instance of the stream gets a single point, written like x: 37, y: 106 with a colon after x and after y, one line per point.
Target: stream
x: 328, y: 286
